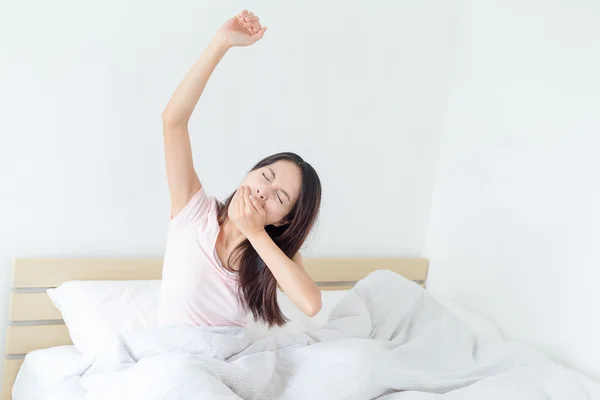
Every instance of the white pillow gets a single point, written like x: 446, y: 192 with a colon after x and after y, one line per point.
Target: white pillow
x: 96, y: 312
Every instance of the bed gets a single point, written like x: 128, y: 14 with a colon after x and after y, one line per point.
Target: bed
x: 35, y: 323
x: 379, y: 335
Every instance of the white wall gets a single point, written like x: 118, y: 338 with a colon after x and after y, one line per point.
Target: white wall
x: 359, y: 92
x: 514, y: 230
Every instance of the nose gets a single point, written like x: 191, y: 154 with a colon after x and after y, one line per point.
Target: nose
x: 261, y: 194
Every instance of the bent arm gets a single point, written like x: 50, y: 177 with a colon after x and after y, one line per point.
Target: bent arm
x: 289, y: 273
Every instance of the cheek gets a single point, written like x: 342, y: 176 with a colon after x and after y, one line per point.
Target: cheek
x: 274, y: 213
x: 249, y: 180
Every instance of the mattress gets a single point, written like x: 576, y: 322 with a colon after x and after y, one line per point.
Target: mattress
x: 54, y: 373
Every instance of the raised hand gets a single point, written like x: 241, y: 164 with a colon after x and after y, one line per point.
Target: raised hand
x: 242, y: 30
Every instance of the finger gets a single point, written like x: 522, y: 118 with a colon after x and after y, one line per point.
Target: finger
x: 246, y: 200
x: 234, y: 202
x: 257, y: 206
x: 255, y: 27
x: 251, y: 18
x: 258, y: 35
x: 239, y: 202
x: 245, y: 26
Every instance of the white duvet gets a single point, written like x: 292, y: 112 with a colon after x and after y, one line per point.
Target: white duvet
x: 386, y: 339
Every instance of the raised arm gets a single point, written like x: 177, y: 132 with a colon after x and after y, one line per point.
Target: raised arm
x: 242, y: 30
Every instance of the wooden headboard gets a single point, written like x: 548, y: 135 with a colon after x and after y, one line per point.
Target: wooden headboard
x: 34, y: 323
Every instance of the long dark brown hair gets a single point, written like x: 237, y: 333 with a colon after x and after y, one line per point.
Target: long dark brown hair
x: 258, y: 286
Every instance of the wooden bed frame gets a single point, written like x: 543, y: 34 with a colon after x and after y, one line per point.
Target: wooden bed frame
x: 34, y: 323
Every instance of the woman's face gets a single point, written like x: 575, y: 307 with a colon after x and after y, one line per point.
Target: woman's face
x: 276, y: 187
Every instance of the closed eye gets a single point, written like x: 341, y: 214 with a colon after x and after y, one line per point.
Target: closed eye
x: 281, y: 201
x: 263, y: 174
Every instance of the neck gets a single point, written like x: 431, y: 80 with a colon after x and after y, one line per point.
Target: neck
x: 230, y: 236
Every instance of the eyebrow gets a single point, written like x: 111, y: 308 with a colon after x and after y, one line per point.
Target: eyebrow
x: 284, y: 192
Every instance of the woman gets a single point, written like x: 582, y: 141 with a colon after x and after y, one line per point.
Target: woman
x: 225, y: 260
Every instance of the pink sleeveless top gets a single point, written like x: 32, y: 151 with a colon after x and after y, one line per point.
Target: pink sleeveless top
x: 196, y: 290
